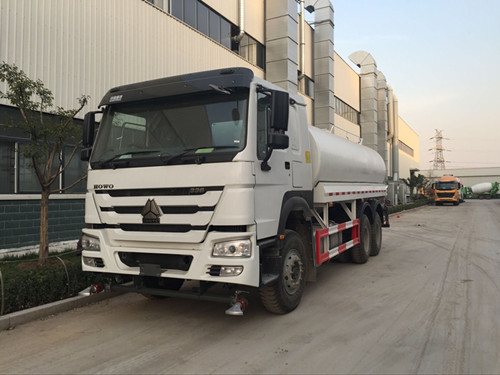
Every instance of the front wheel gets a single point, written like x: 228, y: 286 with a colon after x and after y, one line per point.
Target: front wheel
x: 284, y: 295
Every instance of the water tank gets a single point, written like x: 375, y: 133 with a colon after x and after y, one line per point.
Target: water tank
x: 483, y: 187
x: 336, y: 159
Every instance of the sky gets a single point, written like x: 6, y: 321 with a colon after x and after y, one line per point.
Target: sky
x: 442, y: 59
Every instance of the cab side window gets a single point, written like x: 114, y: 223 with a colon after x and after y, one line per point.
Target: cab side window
x: 263, y: 116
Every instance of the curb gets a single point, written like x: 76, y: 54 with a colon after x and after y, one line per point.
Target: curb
x: 11, y: 320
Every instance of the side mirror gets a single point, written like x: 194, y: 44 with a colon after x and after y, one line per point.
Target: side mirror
x: 88, y: 132
x: 278, y: 141
x: 88, y: 129
x: 280, y: 102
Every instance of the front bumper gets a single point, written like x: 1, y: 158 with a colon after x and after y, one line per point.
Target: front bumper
x: 190, y: 261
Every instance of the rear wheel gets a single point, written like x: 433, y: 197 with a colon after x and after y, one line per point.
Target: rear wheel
x: 376, y: 236
x: 361, y: 252
x: 284, y: 295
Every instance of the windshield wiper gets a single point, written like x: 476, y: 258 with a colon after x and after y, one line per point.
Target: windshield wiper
x: 117, y: 158
x: 220, y: 89
x: 167, y: 158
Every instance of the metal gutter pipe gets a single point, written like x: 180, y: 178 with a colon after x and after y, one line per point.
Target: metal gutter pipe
x: 395, y: 141
x: 241, y: 16
x: 390, y: 114
x: 302, y: 63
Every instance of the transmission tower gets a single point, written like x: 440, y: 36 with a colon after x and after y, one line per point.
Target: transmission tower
x: 438, y: 162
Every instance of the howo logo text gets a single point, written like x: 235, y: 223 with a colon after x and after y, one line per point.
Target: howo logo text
x: 103, y: 186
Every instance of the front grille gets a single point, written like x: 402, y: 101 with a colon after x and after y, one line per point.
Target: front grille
x: 160, y: 191
x: 165, y: 261
x: 167, y: 228
x: 165, y: 209
x: 445, y: 195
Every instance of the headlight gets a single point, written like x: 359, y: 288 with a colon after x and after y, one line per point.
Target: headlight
x: 90, y: 243
x: 240, y: 248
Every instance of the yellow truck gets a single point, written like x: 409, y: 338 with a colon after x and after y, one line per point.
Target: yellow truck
x: 448, y: 189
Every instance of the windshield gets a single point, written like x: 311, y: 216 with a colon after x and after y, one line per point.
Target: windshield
x: 196, y: 128
x: 446, y: 185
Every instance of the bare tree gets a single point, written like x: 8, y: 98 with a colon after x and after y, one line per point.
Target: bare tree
x: 49, y: 130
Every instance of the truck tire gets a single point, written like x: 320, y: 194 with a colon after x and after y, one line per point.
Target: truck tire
x: 283, y: 295
x: 376, y: 236
x: 361, y: 252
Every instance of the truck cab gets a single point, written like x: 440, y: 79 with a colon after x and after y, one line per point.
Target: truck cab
x: 448, y: 189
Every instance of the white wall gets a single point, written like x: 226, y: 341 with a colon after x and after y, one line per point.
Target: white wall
x: 468, y: 176
x: 346, y: 83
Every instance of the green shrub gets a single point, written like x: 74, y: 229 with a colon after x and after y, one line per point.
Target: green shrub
x: 27, y: 285
x: 417, y: 203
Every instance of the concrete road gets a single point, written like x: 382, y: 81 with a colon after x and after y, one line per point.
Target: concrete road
x: 429, y: 303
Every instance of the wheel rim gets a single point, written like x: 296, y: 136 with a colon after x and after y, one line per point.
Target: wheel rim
x: 292, y: 272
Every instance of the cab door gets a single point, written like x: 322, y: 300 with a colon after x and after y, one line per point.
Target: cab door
x: 272, y: 184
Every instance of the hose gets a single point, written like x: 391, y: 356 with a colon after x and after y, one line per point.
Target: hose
x: 1, y: 287
x: 67, y: 274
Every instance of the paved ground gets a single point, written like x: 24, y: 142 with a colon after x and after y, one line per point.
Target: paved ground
x: 429, y: 303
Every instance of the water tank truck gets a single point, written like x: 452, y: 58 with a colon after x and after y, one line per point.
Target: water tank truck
x: 215, y: 178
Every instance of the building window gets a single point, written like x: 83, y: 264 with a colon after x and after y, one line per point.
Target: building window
x: 159, y: 3
x: 202, y: 19
x: 225, y: 33
x: 7, y: 155
x: 214, y: 28
x: 405, y: 148
x: 190, y: 12
x: 212, y: 24
x: 27, y: 181
x: 346, y: 111
x: 307, y: 86
x: 177, y: 9
x: 76, y: 169
x: 252, y: 51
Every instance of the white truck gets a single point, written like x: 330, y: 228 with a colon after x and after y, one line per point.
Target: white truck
x: 216, y: 177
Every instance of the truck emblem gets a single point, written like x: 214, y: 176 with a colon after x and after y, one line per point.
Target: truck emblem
x: 115, y: 98
x: 151, y: 212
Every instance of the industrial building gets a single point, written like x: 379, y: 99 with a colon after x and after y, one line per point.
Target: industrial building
x: 86, y: 47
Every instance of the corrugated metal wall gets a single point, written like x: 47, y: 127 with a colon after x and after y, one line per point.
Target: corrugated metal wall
x: 88, y: 46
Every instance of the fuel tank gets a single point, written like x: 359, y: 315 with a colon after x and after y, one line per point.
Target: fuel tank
x: 336, y: 159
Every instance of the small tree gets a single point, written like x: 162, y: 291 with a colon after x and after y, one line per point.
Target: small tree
x: 416, y: 181
x: 48, y: 130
